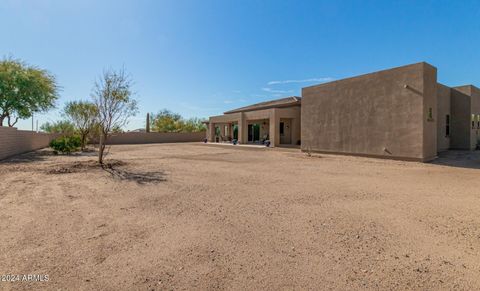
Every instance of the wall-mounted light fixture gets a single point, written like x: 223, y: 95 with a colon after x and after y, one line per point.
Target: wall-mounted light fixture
x: 406, y: 86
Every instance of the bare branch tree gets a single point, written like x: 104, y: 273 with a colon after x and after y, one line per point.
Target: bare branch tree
x: 112, y: 95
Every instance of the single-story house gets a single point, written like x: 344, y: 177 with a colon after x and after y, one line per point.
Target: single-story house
x: 400, y: 113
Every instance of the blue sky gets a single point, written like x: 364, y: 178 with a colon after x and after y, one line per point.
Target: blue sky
x: 202, y: 57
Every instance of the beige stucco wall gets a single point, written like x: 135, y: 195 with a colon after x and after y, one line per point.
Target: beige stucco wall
x: 443, y: 109
x: 474, y: 94
x: 476, y: 110
x: 460, y: 123
x: 154, y: 137
x: 373, y: 114
x: 14, y: 141
x: 429, y: 101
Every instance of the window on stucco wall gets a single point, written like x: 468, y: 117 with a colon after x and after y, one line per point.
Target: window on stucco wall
x: 447, y: 125
x: 430, y: 114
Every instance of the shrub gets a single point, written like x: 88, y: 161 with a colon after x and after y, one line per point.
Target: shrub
x: 66, y: 144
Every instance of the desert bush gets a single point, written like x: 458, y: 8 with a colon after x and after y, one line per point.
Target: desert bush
x: 66, y: 144
x: 64, y: 127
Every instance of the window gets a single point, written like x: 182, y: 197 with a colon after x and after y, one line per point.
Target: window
x: 478, y: 120
x: 430, y: 114
x: 473, y: 121
x: 282, y: 125
x: 447, y: 126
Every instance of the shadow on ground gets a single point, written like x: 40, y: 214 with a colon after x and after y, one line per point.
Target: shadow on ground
x: 35, y: 156
x: 117, y: 169
x: 42, y: 155
x: 460, y: 159
x: 136, y: 176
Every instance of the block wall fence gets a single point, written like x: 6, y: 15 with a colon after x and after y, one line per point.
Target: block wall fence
x: 14, y: 141
x: 154, y: 137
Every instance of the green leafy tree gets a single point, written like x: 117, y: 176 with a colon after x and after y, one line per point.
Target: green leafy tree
x: 63, y: 127
x: 83, y: 115
x: 24, y: 90
x: 167, y: 121
x: 194, y: 125
x: 112, y: 95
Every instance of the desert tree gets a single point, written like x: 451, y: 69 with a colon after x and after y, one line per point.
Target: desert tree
x: 113, y: 97
x: 24, y: 90
x: 62, y: 127
x: 83, y: 115
x: 194, y: 124
x: 167, y: 121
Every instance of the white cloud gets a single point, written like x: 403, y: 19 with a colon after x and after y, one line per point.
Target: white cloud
x: 321, y: 80
x: 270, y: 90
x: 230, y: 101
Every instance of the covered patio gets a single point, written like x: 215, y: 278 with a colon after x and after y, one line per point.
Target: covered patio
x: 276, y: 121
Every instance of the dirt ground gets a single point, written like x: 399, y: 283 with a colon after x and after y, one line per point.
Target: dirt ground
x: 194, y: 216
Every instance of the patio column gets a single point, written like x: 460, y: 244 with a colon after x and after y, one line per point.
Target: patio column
x: 231, y: 130
x: 242, y: 128
x: 211, y: 132
x: 274, y: 131
x: 223, y: 132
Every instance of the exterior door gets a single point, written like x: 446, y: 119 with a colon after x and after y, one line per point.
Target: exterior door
x: 285, y: 132
x: 235, y: 131
x: 254, y: 132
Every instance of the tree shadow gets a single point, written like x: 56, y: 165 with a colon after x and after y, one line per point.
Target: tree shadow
x: 459, y: 159
x: 43, y: 154
x: 139, y: 177
x: 35, y: 156
x: 115, y: 168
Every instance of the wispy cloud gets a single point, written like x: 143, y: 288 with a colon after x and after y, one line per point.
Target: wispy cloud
x: 270, y: 90
x: 324, y: 79
x: 230, y: 101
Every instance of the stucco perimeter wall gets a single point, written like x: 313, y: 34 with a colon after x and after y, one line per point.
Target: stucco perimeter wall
x: 14, y: 141
x: 379, y: 114
x: 154, y: 137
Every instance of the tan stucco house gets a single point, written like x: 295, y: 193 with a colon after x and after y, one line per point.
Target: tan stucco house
x: 399, y: 113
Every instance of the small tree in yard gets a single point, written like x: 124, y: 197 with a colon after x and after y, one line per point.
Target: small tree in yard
x: 63, y: 127
x: 83, y: 115
x: 24, y: 90
x: 112, y: 95
x: 167, y: 121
